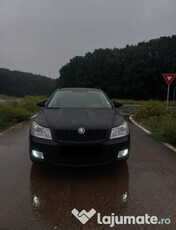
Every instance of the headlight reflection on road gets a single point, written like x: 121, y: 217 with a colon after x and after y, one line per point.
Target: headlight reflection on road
x: 36, y: 201
x: 55, y: 192
x: 124, y: 197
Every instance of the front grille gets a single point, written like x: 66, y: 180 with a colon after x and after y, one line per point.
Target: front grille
x: 88, y: 136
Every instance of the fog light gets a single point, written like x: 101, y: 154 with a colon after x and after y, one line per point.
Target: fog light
x: 122, y: 153
x: 37, y: 154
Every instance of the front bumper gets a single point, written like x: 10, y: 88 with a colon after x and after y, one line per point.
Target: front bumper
x: 79, y: 154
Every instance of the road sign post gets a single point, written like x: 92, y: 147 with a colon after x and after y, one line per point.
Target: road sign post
x: 174, y: 93
x: 169, y: 79
x: 167, y: 104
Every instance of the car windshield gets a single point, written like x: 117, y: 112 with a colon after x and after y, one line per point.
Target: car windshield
x: 79, y: 99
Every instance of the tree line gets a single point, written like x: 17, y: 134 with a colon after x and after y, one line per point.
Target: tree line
x: 134, y: 72
x: 20, y: 84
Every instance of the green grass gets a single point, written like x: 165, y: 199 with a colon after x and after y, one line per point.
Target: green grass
x: 141, y: 102
x: 153, y: 115
x: 2, y: 96
x: 14, y: 112
x: 129, y: 101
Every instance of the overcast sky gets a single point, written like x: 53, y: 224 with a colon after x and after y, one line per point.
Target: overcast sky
x: 40, y: 36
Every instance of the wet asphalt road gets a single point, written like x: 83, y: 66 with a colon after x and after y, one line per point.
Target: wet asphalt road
x: 32, y: 197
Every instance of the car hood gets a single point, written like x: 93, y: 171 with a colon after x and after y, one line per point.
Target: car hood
x: 76, y: 118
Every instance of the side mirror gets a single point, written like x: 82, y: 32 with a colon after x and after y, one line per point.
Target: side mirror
x: 117, y: 104
x: 41, y: 103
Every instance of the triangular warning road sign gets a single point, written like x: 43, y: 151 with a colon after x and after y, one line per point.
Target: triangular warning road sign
x: 169, y: 77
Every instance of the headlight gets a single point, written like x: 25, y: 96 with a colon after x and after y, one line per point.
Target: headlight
x: 120, y: 131
x: 39, y: 131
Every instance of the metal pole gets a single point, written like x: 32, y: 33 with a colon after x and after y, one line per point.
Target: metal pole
x: 167, y: 97
x: 174, y: 93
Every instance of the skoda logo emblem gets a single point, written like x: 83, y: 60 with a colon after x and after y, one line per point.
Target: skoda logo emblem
x: 81, y: 130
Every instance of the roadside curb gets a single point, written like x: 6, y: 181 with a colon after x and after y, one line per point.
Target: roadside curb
x: 148, y: 132
x: 138, y: 125
x: 170, y: 146
x: 15, y: 126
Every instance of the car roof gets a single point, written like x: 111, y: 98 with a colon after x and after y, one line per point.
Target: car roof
x: 79, y: 89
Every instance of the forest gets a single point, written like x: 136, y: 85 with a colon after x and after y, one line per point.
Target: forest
x: 20, y: 84
x: 133, y: 72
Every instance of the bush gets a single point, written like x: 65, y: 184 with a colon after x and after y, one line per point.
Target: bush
x: 169, y: 130
x: 21, y: 110
x: 11, y: 113
x: 153, y: 114
x: 150, y: 109
x: 29, y: 102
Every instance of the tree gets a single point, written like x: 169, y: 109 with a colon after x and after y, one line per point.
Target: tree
x: 134, y: 72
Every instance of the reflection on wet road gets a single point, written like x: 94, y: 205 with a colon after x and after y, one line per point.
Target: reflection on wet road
x: 33, y: 197
x: 54, y: 193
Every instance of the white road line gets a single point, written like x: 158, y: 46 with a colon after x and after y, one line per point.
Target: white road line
x: 34, y: 116
x: 15, y: 126
x: 170, y: 146
x: 148, y: 132
x: 138, y: 125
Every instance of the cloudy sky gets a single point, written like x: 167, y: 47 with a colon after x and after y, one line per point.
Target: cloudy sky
x: 40, y: 36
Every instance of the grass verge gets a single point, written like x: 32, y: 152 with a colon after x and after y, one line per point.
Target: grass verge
x: 153, y: 114
x: 142, y: 102
x: 12, y: 113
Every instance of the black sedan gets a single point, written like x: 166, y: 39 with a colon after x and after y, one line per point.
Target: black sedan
x: 79, y: 127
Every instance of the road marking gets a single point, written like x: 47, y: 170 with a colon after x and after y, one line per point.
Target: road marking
x: 138, y: 125
x: 170, y: 146
x: 148, y: 132
x: 34, y: 116
x: 13, y: 127
x: 16, y: 126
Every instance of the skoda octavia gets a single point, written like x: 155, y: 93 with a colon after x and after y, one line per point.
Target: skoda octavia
x: 79, y: 127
